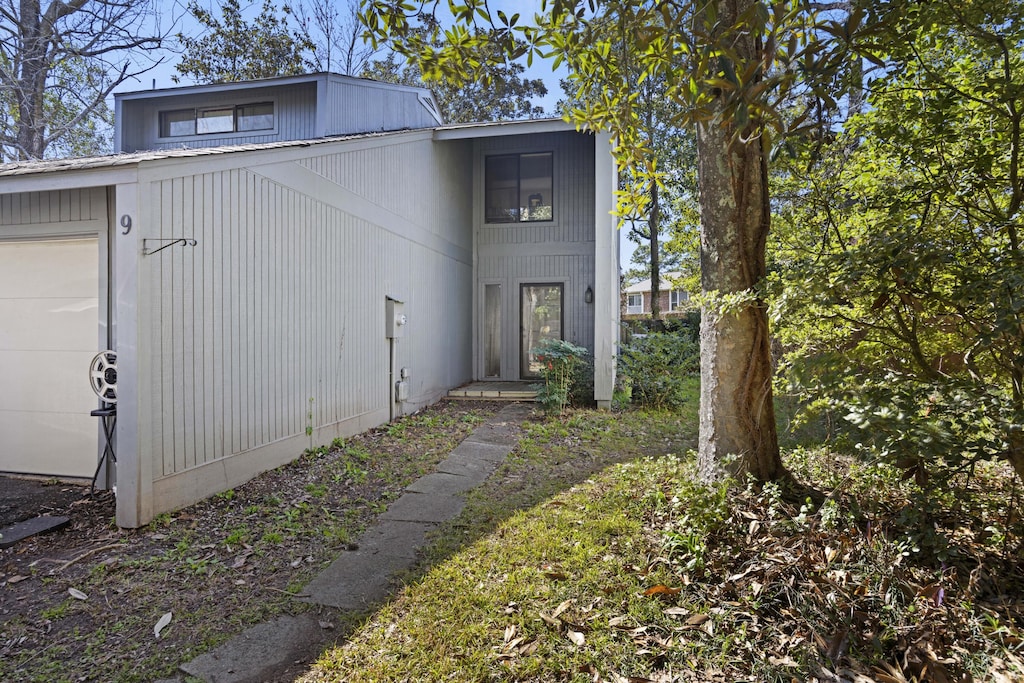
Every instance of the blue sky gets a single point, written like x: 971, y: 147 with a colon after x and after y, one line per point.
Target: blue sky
x: 173, y: 10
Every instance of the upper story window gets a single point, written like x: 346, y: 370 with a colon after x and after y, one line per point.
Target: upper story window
x: 517, y: 188
x: 212, y: 120
x: 634, y: 303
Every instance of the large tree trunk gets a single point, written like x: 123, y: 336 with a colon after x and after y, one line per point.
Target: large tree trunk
x: 653, y: 226
x: 32, y: 80
x: 737, y: 415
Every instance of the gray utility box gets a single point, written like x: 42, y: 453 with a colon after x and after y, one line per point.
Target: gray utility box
x: 395, y: 319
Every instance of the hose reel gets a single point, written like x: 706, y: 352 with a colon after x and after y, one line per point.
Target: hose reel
x: 103, y: 375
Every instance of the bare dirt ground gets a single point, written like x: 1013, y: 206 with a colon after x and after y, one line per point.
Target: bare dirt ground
x: 83, y: 603
x: 21, y: 499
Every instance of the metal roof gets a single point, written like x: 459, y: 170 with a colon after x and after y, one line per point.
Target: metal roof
x: 180, y: 90
x: 20, y: 168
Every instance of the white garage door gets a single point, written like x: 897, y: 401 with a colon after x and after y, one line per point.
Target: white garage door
x: 49, y: 317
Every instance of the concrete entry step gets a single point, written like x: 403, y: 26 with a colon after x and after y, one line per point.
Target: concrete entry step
x: 495, y: 391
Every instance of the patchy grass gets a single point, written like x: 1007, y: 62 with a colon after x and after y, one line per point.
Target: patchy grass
x: 569, y: 567
x: 219, y: 566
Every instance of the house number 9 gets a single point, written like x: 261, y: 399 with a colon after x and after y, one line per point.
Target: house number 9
x: 126, y: 223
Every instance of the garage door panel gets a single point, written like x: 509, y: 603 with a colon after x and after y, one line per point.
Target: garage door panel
x: 50, y: 268
x: 48, y: 382
x: 63, y: 446
x: 48, y: 324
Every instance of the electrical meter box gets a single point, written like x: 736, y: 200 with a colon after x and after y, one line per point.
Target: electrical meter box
x: 395, y: 319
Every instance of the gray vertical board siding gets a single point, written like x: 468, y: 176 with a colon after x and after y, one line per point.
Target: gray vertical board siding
x: 556, y: 251
x: 53, y: 207
x: 354, y: 107
x: 282, y: 301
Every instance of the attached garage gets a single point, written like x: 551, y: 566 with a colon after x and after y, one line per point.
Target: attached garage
x: 49, y: 302
x: 53, y: 320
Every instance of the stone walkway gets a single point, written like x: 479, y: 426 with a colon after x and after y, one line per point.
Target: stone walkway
x: 362, y: 578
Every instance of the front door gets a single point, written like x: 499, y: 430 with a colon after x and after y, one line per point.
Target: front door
x: 540, y: 318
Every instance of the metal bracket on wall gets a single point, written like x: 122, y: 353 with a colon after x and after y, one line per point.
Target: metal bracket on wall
x: 169, y: 242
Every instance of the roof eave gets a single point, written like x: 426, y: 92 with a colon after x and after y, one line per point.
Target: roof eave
x: 469, y: 131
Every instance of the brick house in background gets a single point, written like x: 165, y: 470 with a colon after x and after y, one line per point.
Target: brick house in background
x: 636, y: 299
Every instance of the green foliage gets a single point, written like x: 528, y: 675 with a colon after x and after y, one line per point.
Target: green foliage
x: 657, y: 366
x: 900, y: 268
x: 497, y: 92
x: 233, y: 49
x: 559, y: 361
x: 581, y: 384
x: 930, y: 430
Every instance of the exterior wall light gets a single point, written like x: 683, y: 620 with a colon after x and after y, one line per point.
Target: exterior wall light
x: 588, y: 296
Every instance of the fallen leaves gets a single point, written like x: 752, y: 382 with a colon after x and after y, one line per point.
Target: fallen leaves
x: 162, y: 623
x: 662, y: 590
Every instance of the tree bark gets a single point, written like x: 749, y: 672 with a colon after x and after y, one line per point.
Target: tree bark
x: 737, y: 414
x: 653, y: 226
x: 32, y: 81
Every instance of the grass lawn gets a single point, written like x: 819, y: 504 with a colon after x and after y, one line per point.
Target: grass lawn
x: 568, y: 566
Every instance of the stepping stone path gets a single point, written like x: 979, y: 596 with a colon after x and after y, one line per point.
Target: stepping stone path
x: 361, y: 578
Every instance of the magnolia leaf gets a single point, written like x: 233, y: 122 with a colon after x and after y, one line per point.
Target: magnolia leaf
x: 77, y: 594
x: 16, y: 578
x: 697, y: 620
x: 661, y: 589
x: 576, y: 637
x: 561, y: 608
x: 162, y: 623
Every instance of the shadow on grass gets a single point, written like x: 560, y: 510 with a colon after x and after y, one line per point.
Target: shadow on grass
x: 553, y: 456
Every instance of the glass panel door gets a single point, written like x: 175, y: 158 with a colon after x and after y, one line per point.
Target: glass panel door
x: 492, y: 330
x: 540, y: 318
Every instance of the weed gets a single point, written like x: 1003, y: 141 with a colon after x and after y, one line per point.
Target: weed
x: 309, y: 423
x: 272, y: 537
x: 396, y: 430
x: 316, y: 490
x: 237, y: 537
x: 57, y: 611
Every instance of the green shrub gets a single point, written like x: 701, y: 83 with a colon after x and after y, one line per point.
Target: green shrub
x: 657, y: 366
x: 560, y: 361
x: 932, y: 430
x: 581, y: 384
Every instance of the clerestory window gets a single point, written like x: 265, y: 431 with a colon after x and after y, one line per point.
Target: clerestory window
x: 214, y: 120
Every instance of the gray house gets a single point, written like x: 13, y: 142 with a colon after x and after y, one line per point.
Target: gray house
x: 281, y: 262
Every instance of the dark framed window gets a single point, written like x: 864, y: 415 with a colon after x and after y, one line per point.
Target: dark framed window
x: 220, y: 120
x: 214, y: 120
x: 177, y: 123
x: 518, y: 188
x: 258, y: 116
